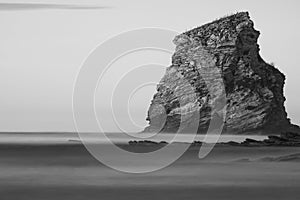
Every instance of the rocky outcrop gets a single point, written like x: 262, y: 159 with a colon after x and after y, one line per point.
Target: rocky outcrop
x: 284, y: 139
x: 146, y: 142
x: 221, y: 54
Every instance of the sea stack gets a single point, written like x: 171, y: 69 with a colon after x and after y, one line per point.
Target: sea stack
x: 226, y: 48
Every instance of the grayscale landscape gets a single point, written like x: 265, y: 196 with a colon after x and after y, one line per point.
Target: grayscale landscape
x: 149, y: 100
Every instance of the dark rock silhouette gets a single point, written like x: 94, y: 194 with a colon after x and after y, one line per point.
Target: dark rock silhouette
x: 222, y: 53
x: 146, y: 142
x: 291, y: 139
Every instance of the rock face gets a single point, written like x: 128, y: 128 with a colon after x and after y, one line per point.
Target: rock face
x: 222, y: 54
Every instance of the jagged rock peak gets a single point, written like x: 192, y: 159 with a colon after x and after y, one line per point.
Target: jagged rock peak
x: 221, y: 53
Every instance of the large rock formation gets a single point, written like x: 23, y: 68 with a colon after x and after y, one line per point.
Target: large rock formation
x: 224, y: 51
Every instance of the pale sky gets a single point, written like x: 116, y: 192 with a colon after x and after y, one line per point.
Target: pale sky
x: 43, y: 47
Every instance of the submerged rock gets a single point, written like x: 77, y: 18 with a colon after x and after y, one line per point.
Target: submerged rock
x: 147, y: 142
x: 222, y: 53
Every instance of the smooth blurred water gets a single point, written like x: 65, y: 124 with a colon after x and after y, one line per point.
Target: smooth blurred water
x: 69, y: 172
x: 65, y: 138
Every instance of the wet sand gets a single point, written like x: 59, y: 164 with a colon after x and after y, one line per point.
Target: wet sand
x: 70, y: 172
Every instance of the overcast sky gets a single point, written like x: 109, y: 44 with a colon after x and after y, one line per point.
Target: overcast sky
x: 43, y: 45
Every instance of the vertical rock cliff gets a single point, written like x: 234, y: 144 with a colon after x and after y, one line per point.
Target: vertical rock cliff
x: 221, y: 52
